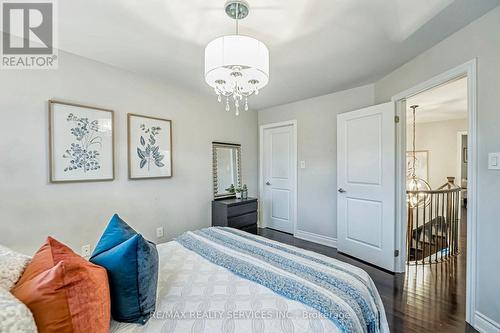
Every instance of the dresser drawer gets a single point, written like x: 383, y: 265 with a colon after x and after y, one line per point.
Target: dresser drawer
x: 242, y: 220
x: 235, y: 213
x: 251, y: 229
x: 241, y: 209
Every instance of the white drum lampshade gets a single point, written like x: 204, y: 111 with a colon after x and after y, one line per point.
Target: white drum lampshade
x: 248, y: 54
x: 236, y: 66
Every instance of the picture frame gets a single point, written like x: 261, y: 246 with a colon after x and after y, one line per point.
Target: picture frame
x: 81, y: 143
x: 149, y: 147
x: 421, y: 165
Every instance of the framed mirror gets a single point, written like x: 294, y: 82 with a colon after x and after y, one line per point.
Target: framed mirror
x: 226, y: 168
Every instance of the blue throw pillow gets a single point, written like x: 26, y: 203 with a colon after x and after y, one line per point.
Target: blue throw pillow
x: 132, y: 265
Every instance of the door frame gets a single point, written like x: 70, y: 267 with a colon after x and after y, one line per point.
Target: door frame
x: 469, y: 70
x: 293, y: 124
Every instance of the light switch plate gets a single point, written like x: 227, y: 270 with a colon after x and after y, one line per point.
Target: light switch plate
x: 302, y: 164
x: 494, y: 161
x: 159, y: 232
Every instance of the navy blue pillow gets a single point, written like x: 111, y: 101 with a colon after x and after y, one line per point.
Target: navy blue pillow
x: 132, y: 265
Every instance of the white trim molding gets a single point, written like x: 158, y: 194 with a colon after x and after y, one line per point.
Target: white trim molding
x: 315, y: 238
x: 485, y: 324
x: 293, y: 123
x: 469, y: 70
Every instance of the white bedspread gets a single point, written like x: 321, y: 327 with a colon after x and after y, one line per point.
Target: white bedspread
x: 195, y: 295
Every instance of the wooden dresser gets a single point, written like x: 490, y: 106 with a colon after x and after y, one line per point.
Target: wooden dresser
x: 235, y: 213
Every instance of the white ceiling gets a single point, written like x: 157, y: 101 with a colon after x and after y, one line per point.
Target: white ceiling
x: 446, y: 102
x: 316, y: 46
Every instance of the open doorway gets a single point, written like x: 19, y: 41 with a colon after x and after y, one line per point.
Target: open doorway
x: 456, y: 277
x: 436, y: 173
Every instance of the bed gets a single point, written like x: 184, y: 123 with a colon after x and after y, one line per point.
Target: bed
x: 226, y: 280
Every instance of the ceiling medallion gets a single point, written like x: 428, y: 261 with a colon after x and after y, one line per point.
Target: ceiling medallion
x: 236, y: 66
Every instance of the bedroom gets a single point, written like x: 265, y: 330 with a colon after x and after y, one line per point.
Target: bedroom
x: 149, y: 61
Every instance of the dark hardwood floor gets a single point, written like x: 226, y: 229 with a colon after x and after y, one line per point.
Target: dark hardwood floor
x: 424, y: 299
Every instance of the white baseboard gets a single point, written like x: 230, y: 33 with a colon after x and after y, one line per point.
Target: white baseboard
x: 315, y: 238
x: 484, y: 324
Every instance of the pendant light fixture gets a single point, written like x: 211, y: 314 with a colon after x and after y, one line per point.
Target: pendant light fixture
x: 236, y: 66
x: 415, y: 184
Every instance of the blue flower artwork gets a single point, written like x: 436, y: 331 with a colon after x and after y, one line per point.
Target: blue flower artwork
x: 84, y: 153
x: 148, y: 149
x: 81, y: 143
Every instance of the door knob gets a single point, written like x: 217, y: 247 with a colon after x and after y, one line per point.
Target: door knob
x: 268, y: 183
x: 341, y: 190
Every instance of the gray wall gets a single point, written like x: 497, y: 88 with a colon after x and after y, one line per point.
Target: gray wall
x: 31, y: 208
x: 439, y: 138
x: 481, y: 40
x: 317, y: 146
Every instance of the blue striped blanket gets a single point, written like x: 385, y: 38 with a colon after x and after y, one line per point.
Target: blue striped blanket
x: 344, y: 294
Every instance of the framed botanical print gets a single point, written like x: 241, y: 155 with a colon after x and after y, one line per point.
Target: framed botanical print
x: 149, y: 147
x: 81, y: 143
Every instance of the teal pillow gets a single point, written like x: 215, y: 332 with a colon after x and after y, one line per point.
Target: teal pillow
x: 132, y: 265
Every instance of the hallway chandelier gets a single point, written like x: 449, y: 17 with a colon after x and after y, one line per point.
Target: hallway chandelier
x: 236, y: 66
x: 415, y: 184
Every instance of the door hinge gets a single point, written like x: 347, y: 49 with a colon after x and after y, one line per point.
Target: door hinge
x: 396, y: 119
x: 396, y: 253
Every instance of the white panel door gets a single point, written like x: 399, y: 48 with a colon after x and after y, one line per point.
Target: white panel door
x: 366, y: 184
x: 278, y: 175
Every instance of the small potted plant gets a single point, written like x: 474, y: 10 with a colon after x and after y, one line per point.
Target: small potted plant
x: 231, y: 189
x: 244, y: 192
x: 238, y: 190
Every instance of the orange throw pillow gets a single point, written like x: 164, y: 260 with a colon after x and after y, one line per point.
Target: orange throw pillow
x: 65, y: 292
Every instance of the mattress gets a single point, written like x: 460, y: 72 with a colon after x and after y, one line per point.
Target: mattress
x: 198, y: 293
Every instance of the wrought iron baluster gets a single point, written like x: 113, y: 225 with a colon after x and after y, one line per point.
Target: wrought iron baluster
x: 454, y: 222
x: 457, y: 207
x: 409, y: 232
x: 436, y: 227
x: 431, y: 227
x: 443, y: 214
x: 423, y: 231
x: 417, y: 235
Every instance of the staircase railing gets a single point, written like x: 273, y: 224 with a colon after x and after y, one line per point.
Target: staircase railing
x: 432, y: 234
